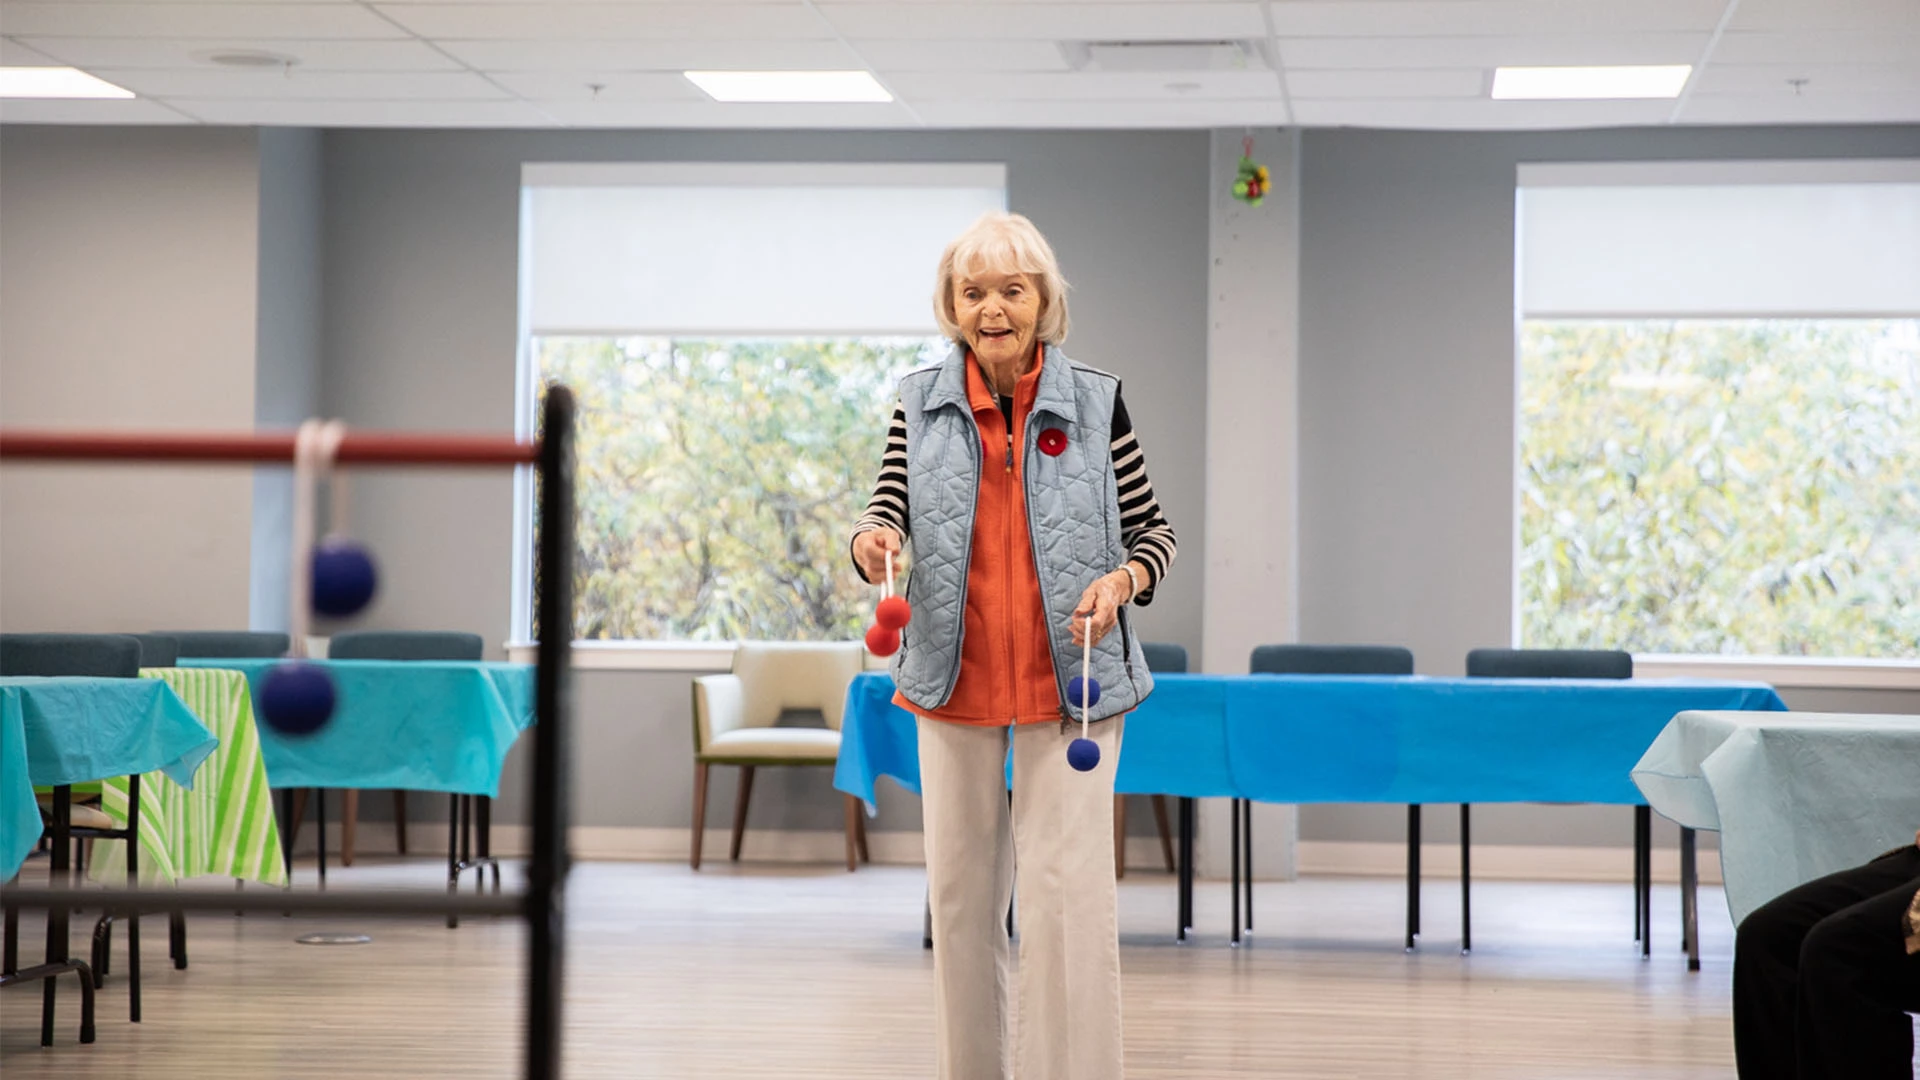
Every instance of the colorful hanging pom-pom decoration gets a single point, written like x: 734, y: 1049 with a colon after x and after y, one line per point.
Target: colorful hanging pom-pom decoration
x: 1251, y: 183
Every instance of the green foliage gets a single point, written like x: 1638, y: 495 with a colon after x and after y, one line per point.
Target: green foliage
x: 718, y: 479
x: 1721, y: 486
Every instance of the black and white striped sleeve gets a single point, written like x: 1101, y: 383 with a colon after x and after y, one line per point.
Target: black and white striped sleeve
x: 887, y: 509
x: 1143, y: 528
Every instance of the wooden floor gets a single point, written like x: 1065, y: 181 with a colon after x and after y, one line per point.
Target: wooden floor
x: 762, y: 971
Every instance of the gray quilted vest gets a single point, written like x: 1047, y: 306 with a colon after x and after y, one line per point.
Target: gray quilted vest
x: 1073, y: 520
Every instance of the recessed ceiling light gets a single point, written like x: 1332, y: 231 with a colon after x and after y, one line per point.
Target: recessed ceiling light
x: 790, y: 86
x: 55, y: 82
x: 1566, y: 83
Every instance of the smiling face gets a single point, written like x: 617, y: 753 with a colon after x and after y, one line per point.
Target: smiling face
x: 997, y: 313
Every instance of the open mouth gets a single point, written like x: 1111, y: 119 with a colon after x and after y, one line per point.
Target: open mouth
x: 995, y: 335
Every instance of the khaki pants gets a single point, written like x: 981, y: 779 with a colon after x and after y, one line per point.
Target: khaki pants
x: 1060, y: 832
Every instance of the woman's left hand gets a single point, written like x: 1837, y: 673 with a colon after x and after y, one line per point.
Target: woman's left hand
x: 1102, y: 600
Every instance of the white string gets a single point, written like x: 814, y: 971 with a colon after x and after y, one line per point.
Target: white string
x: 331, y: 434
x: 889, y: 591
x: 1086, y: 664
x: 314, y: 448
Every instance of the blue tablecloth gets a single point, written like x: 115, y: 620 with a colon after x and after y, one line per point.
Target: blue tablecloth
x: 416, y: 725
x: 1794, y: 797
x: 1304, y: 739
x: 56, y: 731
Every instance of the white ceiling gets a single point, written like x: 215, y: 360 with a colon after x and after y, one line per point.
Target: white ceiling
x: 1316, y: 63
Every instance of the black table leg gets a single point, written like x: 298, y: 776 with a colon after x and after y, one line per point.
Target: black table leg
x: 1246, y: 859
x: 1690, y: 896
x: 320, y: 825
x: 1233, y: 808
x: 1643, y: 839
x: 1466, y: 880
x: 1413, y: 874
x: 1186, y: 871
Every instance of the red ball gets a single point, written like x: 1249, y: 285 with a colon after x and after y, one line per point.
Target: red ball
x: 882, y: 641
x: 893, y: 612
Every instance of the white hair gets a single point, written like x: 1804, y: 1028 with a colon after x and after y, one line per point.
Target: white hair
x: 1008, y: 244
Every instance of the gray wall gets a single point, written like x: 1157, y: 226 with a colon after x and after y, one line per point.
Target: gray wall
x: 421, y: 253
x: 127, y: 279
x: 1407, y: 382
x: 287, y: 345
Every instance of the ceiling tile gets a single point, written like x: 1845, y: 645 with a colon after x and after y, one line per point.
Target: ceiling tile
x: 1488, y: 52
x: 192, y: 53
x: 1880, y: 16
x: 897, y: 55
x: 1090, y: 114
x: 199, y: 20
x: 595, y: 21
x: 1817, y: 47
x: 919, y: 88
x: 300, y: 85
x: 1470, y: 114
x: 715, y: 115
x: 14, y: 54
x: 1194, y: 21
x: 1810, y: 109
x: 650, y: 55
x: 133, y: 111
x: 1821, y: 80
x: 1489, y: 18
x: 1449, y: 83
x: 614, y: 87
x: 421, y: 114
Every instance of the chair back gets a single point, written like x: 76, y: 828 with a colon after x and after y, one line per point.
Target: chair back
x: 114, y: 656
x: 406, y: 645
x: 158, y: 650
x: 779, y: 675
x: 230, y: 644
x: 1165, y: 657
x: 1549, y: 664
x: 1330, y: 660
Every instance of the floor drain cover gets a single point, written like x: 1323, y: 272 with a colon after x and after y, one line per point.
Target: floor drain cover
x: 334, y: 939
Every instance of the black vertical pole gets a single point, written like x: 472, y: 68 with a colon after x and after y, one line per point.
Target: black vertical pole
x: 1466, y: 880
x: 1186, y: 870
x: 1413, y: 873
x: 547, y: 870
x: 1233, y: 809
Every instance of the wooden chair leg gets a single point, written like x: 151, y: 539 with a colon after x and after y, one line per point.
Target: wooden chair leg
x: 1119, y: 836
x: 852, y: 806
x: 860, y: 835
x: 1166, y: 834
x: 299, y: 815
x: 740, y: 810
x: 699, y: 810
x: 349, y: 823
x: 400, y: 821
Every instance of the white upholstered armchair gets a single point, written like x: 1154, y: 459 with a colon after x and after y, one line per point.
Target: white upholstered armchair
x: 735, y: 718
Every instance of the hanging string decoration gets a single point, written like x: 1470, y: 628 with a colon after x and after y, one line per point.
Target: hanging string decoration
x: 1251, y: 182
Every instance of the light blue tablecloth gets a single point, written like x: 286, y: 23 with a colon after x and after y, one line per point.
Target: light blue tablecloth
x: 1794, y: 796
x: 56, y: 731
x: 1304, y: 739
x: 416, y: 725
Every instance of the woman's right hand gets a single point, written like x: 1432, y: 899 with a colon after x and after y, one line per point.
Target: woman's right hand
x: 870, y: 550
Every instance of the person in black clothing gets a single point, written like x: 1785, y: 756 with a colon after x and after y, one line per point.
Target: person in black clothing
x: 1825, y: 974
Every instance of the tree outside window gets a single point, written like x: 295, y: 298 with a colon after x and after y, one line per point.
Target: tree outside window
x: 1721, y: 486
x: 717, y: 479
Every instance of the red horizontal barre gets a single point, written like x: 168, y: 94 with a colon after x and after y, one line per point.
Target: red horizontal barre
x: 358, y: 447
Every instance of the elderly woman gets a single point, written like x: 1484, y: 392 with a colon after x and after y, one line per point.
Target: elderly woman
x: 1015, y: 472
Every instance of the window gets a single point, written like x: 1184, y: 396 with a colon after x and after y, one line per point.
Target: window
x: 733, y: 336
x: 1720, y: 410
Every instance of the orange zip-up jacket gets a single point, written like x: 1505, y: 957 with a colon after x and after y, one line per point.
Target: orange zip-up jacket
x: 1006, y: 662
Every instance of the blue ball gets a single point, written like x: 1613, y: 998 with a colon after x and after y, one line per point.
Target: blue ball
x: 296, y: 698
x: 1083, y: 754
x: 1073, y: 691
x: 343, y: 578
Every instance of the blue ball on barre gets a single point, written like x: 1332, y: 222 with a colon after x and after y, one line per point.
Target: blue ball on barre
x: 296, y: 698
x: 1083, y: 754
x: 343, y: 578
x: 1074, y: 687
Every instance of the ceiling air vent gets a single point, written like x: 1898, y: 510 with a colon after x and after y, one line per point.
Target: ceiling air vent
x: 1164, y: 56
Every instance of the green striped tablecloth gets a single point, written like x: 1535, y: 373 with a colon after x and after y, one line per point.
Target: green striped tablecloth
x: 223, y: 827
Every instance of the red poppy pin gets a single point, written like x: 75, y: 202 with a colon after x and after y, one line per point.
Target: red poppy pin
x: 1053, y: 442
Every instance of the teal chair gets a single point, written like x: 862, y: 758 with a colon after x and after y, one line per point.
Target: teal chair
x: 1566, y: 664
x: 468, y: 815
x: 1325, y: 660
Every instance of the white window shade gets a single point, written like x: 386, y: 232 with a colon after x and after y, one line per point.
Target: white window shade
x: 1737, y: 240
x: 729, y: 249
